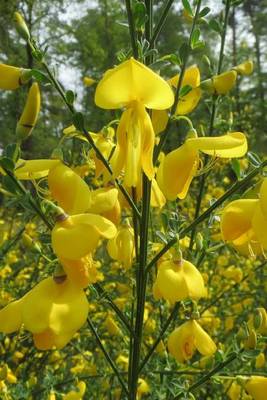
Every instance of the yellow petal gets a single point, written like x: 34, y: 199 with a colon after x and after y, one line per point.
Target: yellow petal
x: 245, y: 68
x: 69, y: 189
x: 157, y: 197
x: 12, y: 77
x: 79, y: 234
x: 159, y: 120
x: 181, y: 342
x: 103, y: 200
x: 236, y: 220
x: 234, y: 144
x: 257, y: 387
x: 34, y: 169
x: 69, y: 310
x: 133, y: 81
x: 30, y: 112
x: 179, y: 281
x: 176, y: 171
x: 259, y: 223
x: 263, y: 197
x: 37, y: 306
x: 204, y: 344
x: 224, y: 82
x: 10, y: 317
x: 188, y: 102
x: 191, y: 78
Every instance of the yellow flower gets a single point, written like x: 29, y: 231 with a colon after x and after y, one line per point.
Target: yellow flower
x: 30, y: 113
x: 52, y: 311
x: 136, y: 87
x: 69, y: 189
x: 143, y: 388
x: 12, y: 78
x: 105, y: 201
x: 121, y: 247
x: 257, y: 387
x: 224, y: 82
x: 183, y: 341
x: 246, y: 68
x: 112, y: 326
x: 81, y: 271
x: 178, y: 280
x: 76, y: 395
x: 260, y: 360
x: 78, y: 235
x: 186, y: 103
x: 21, y: 26
x: 178, y: 168
x: 34, y: 169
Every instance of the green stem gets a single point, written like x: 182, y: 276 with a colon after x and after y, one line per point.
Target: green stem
x: 161, y: 22
x: 103, y: 294
x: 141, y: 288
x: 206, y: 377
x: 107, y: 356
x: 237, y: 186
x: 164, y: 135
x: 157, y: 341
x: 131, y: 28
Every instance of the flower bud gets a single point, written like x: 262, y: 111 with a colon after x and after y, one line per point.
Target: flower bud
x: 21, y: 26
x: 251, y: 341
x: 30, y: 113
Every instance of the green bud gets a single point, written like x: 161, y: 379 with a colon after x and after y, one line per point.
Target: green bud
x: 199, y: 241
x: 257, y: 319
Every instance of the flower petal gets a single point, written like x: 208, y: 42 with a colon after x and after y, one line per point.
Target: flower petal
x: 176, y: 171
x: 34, y: 169
x: 204, y: 344
x: 233, y: 144
x: 131, y: 81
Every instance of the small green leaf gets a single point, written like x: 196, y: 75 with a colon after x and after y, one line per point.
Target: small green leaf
x: 7, y: 163
x: 70, y: 96
x: 40, y: 76
x: 9, y: 185
x: 235, y: 165
x: 254, y: 159
x: 204, y: 12
x: 195, y: 37
x: 12, y: 151
x: 140, y: 15
x: 185, y: 90
x: 187, y: 7
x: 215, y: 26
x: 78, y: 121
x: 161, y: 236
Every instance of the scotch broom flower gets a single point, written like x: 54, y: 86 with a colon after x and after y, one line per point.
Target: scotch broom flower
x: 189, y: 337
x: 246, y: 68
x: 178, y: 168
x: 186, y: 104
x: 178, y: 280
x: 121, y: 247
x: 30, y: 113
x: 51, y: 311
x: 136, y: 87
x: 256, y: 386
x: 78, y: 235
x: 220, y: 84
x: 69, y: 189
x: 12, y: 78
